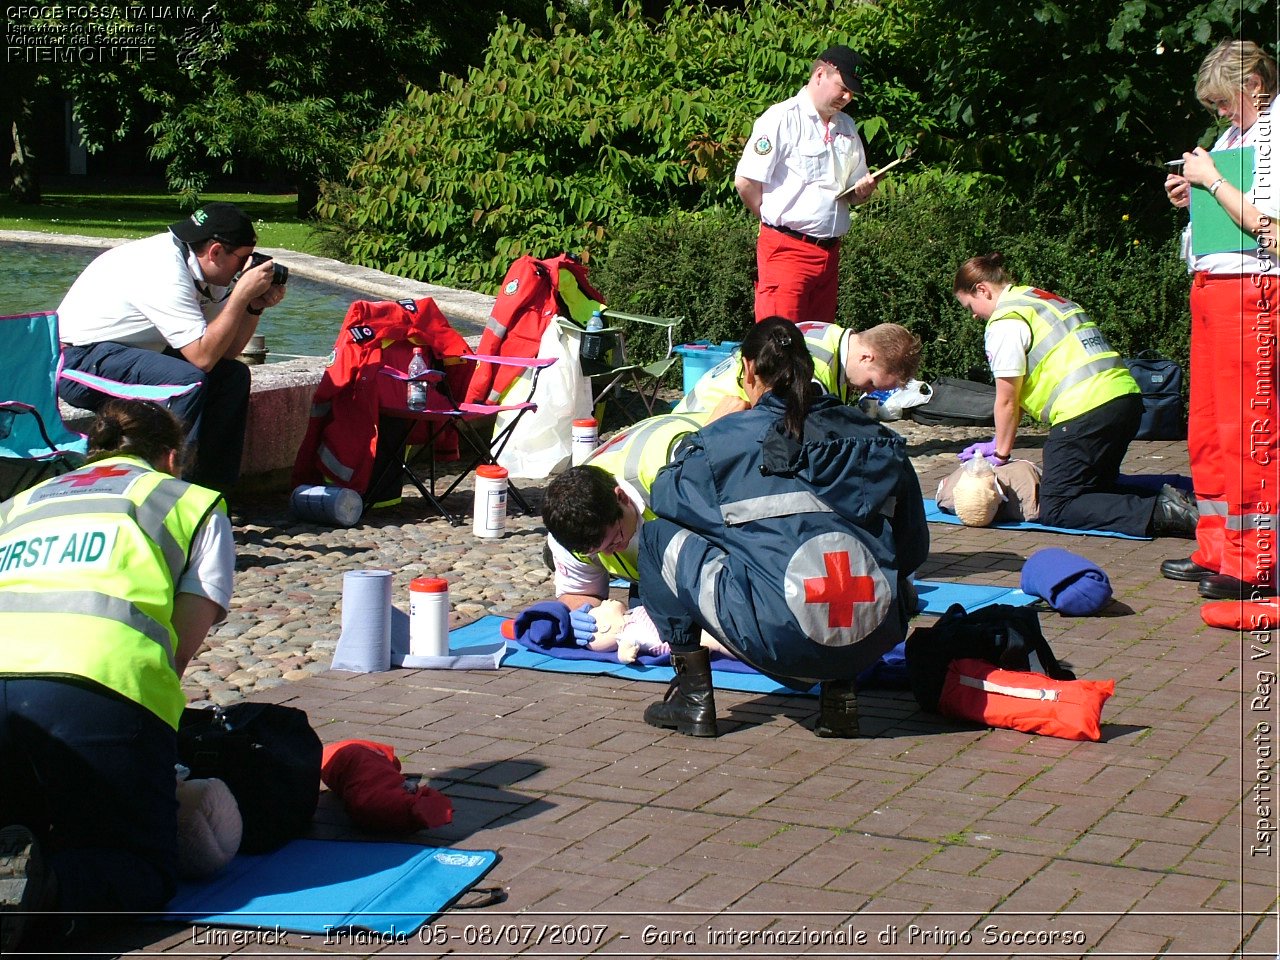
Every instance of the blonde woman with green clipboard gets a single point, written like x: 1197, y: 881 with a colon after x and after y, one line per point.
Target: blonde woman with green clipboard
x: 1230, y: 247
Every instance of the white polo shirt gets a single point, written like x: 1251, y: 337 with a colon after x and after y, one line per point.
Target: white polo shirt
x: 150, y: 293
x: 803, y: 162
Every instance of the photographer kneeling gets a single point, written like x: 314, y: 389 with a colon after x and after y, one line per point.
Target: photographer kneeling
x: 175, y: 310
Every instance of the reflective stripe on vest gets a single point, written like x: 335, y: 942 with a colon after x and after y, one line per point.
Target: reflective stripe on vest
x: 775, y: 505
x: 89, y: 563
x: 823, y: 341
x: 637, y: 454
x: 1071, y: 368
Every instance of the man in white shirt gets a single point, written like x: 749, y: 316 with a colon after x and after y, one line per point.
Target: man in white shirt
x: 169, y: 311
x: 802, y: 169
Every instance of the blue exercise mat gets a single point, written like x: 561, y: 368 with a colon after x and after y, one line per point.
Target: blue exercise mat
x: 935, y: 515
x: 935, y: 598
x: 314, y: 886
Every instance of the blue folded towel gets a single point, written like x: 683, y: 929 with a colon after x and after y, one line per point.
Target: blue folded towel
x: 545, y: 624
x: 1071, y: 584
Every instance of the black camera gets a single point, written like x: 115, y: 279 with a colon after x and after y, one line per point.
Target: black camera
x: 279, y: 272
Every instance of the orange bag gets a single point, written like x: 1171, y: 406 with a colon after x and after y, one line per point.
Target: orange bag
x: 981, y: 692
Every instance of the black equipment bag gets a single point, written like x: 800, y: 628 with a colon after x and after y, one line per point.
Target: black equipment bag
x: 269, y: 757
x: 1160, y: 380
x: 1005, y: 635
x: 955, y: 402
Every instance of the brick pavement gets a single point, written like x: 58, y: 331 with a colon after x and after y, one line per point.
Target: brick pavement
x: 926, y: 838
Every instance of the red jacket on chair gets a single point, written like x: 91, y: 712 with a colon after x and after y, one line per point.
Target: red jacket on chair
x: 342, y: 434
x: 529, y: 298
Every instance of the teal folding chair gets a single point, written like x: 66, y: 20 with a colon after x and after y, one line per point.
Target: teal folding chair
x: 34, y: 442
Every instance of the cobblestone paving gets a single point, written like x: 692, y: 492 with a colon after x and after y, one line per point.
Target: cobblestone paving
x: 922, y: 839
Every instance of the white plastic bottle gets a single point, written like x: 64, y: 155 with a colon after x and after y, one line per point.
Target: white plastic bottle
x: 417, y: 396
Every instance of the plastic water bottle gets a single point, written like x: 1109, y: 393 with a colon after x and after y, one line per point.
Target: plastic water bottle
x: 417, y: 398
x: 593, y: 342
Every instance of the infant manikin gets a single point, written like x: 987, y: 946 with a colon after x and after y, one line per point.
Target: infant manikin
x: 632, y: 633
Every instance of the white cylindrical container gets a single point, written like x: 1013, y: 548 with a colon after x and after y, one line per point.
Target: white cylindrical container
x: 585, y: 436
x: 428, y: 617
x: 327, y: 504
x: 490, y: 515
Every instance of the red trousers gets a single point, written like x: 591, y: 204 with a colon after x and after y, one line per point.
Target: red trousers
x: 1232, y: 433
x: 798, y: 281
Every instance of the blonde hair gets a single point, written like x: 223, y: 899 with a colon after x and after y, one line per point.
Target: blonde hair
x: 897, y: 349
x: 1224, y: 71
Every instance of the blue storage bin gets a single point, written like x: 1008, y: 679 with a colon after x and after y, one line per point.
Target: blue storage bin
x: 700, y: 356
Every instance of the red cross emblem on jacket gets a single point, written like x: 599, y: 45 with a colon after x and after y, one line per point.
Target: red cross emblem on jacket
x: 840, y: 589
x: 87, y: 478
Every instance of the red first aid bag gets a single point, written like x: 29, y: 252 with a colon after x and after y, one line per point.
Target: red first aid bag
x: 1021, y: 700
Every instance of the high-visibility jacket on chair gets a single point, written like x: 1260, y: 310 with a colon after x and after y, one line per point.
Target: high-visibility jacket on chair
x: 635, y: 455
x: 89, y: 565
x: 1071, y: 368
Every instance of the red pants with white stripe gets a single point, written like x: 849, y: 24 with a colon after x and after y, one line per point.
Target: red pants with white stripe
x: 1232, y: 434
x: 798, y: 281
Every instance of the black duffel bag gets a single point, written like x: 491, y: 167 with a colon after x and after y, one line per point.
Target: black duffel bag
x: 955, y: 402
x: 1008, y: 636
x: 269, y: 757
x: 1160, y: 380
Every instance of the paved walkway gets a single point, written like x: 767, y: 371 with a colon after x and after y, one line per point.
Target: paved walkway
x: 924, y: 839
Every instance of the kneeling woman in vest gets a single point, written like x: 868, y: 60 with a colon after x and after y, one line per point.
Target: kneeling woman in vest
x: 110, y: 578
x: 1050, y: 359
x: 789, y: 532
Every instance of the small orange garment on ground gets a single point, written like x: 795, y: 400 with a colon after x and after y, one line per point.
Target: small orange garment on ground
x: 981, y: 692
x: 1242, y: 614
x: 366, y: 775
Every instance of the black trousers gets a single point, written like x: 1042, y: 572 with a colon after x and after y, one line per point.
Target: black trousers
x: 1082, y: 458
x: 215, y: 413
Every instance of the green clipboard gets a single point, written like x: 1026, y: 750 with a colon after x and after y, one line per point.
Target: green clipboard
x: 1212, y: 229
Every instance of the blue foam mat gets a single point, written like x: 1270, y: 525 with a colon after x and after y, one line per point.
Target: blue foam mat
x: 935, y: 598
x: 935, y: 515
x: 314, y: 886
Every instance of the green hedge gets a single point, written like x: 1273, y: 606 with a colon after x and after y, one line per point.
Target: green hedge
x: 898, y: 263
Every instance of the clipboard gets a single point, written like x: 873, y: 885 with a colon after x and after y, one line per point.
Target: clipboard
x: 877, y: 174
x: 1212, y: 229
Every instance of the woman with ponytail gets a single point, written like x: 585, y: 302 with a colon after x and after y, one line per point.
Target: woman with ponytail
x: 789, y: 532
x: 111, y: 576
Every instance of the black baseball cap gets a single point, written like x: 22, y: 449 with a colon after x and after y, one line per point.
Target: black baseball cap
x: 223, y: 221
x: 848, y: 63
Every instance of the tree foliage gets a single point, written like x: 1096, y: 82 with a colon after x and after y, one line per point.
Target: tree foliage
x: 565, y: 135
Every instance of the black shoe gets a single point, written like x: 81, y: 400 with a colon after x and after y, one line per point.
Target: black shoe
x: 1219, y: 586
x: 1176, y: 514
x: 837, y: 709
x: 23, y: 883
x: 690, y: 704
x: 1185, y: 569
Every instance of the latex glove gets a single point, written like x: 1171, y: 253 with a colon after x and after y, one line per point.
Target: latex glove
x: 988, y: 451
x: 583, y: 623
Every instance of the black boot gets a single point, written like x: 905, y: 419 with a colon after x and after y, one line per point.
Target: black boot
x: 837, y: 709
x: 690, y: 703
x: 1176, y: 514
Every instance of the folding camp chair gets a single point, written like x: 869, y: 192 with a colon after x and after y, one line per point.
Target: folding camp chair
x: 34, y: 442
x: 472, y: 421
x: 603, y: 353
x: 535, y: 292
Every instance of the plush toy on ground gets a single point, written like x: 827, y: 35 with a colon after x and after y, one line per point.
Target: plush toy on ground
x: 209, y: 827
x: 366, y: 776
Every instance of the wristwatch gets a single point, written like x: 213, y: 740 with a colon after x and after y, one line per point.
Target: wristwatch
x: 1213, y: 187
x: 252, y: 312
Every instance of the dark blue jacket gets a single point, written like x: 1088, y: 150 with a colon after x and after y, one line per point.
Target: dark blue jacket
x: 795, y: 554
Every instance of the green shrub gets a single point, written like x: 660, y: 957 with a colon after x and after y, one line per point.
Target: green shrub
x: 898, y: 263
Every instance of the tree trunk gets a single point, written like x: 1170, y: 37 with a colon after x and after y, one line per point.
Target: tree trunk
x: 24, y: 186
